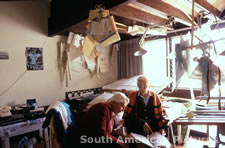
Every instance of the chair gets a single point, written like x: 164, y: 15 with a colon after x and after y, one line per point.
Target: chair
x: 62, y: 127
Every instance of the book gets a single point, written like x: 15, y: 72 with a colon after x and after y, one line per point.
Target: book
x: 153, y: 140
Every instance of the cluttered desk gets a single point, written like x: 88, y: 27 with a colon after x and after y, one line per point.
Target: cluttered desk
x: 18, y: 123
x: 203, y: 117
x: 209, y: 117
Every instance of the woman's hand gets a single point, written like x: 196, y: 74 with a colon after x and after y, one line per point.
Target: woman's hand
x: 122, y: 144
x: 162, y: 131
x: 147, y: 129
x: 129, y: 136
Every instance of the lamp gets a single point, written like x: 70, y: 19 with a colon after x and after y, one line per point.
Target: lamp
x: 141, y: 51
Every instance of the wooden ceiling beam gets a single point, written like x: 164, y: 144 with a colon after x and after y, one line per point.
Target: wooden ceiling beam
x: 80, y: 27
x: 206, y: 5
x: 137, y: 15
x: 185, y: 7
x: 181, y: 5
x: 127, y: 15
x: 168, y: 9
x: 64, y: 14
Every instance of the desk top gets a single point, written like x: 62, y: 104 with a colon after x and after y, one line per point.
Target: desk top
x: 19, y: 127
x: 16, y: 118
x: 207, y: 117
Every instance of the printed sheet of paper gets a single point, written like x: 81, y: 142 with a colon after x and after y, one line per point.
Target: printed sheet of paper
x: 91, y: 64
x: 100, y: 30
x: 159, y: 140
x: 113, y: 34
x: 75, y: 44
x: 97, y: 28
x: 78, y: 64
x: 89, y: 45
x: 103, y: 57
x: 75, y: 50
x: 153, y: 140
x: 142, y: 139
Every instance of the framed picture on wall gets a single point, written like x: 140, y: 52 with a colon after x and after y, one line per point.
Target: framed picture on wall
x: 34, y: 58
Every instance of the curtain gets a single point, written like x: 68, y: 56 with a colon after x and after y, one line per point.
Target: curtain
x: 128, y: 64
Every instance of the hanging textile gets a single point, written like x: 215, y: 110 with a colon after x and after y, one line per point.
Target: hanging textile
x: 104, y: 31
x: 101, y: 30
x: 208, y: 73
x: 103, y: 57
x: 128, y: 64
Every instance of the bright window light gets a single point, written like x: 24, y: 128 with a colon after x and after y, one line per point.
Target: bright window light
x: 154, y: 62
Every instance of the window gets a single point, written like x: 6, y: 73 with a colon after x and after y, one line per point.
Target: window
x: 158, y: 66
x: 193, y: 77
x: 154, y: 62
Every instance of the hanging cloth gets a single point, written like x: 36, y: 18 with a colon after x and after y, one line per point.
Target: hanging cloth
x: 208, y: 71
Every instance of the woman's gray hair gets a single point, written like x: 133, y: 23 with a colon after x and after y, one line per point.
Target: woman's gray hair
x: 119, y: 97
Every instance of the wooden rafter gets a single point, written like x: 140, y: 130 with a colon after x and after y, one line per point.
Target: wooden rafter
x: 137, y: 15
x: 79, y: 27
x: 206, y: 5
x: 168, y: 9
x: 133, y: 12
x: 181, y: 5
x: 219, y: 4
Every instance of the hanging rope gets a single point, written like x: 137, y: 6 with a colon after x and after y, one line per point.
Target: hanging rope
x: 192, y: 30
x: 219, y: 88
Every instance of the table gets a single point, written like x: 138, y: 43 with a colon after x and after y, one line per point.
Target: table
x: 203, y: 117
x: 22, y: 127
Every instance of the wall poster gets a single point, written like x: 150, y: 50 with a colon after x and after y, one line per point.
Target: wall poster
x: 34, y: 58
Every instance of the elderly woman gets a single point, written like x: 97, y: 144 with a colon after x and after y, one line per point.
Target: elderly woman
x: 97, y: 125
x: 144, y: 114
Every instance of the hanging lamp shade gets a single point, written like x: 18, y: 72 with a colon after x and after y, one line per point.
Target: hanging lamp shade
x: 141, y: 51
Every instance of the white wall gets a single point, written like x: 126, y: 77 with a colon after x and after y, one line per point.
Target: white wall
x: 24, y: 24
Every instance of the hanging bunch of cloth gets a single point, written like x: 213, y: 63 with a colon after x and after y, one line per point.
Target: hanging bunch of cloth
x: 91, y: 52
x: 209, y: 70
x: 69, y: 51
x: 208, y: 75
x: 101, y: 30
x: 219, y: 89
x: 211, y: 76
x: 73, y: 59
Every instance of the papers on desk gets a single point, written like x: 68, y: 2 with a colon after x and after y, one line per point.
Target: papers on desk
x: 153, y: 140
x: 142, y: 139
x: 159, y: 140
